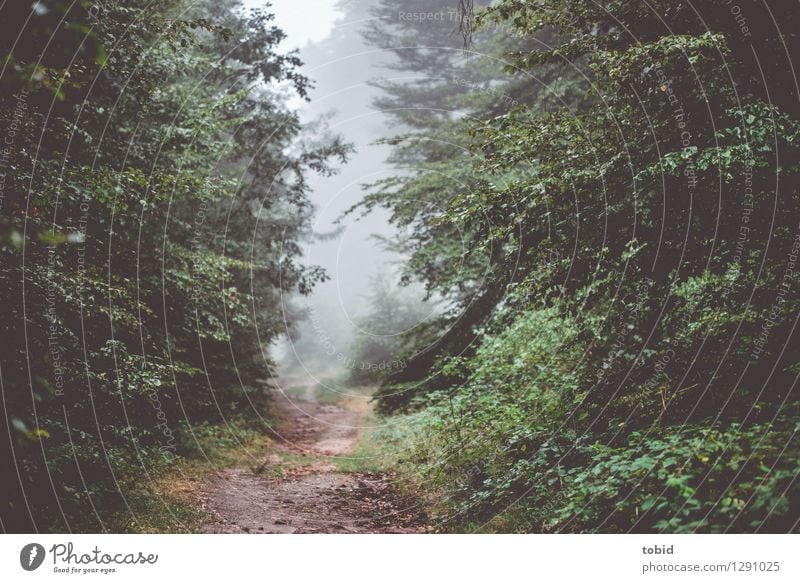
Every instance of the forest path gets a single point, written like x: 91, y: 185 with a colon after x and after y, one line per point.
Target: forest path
x: 305, y: 491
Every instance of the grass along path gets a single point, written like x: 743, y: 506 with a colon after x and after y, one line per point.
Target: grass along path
x: 313, y: 479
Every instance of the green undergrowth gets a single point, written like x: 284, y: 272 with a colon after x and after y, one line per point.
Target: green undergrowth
x: 331, y: 392
x: 508, y: 452
x: 369, y: 454
x: 164, y: 499
x: 328, y: 391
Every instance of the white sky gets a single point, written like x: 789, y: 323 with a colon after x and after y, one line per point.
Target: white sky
x: 303, y: 21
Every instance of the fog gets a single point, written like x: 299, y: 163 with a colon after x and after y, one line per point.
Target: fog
x: 340, y: 65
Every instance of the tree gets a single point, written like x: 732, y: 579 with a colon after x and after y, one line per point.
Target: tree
x: 393, y: 314
x: 451, y: 88
x: 153, y: 197
x: 639, y: 253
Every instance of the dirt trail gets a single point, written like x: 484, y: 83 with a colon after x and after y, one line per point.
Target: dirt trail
x: 314, y: 497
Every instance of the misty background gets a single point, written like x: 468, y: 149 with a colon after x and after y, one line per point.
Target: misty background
x: 342, y: 66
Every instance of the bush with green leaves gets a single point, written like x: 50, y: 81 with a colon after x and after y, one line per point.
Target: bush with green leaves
x: 153, y: 199
x: 638, y: 254
x: 507, y: 452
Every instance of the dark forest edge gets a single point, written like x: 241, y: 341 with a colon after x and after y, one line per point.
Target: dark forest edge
x: 602, y: 217
x: 153, y: 204
x: 619, y: 348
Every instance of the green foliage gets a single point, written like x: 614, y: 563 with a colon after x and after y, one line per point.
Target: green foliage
x: 153, y: 197
x: 508, y: 452
x: 392, y: 316
x: 688, y: 479
x: 450, y: 91
x: 625, y: 336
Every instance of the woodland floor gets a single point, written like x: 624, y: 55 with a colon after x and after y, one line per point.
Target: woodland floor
x: 314, y: 495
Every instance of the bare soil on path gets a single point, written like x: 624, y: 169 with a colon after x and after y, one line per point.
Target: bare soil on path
x: 312, y: 497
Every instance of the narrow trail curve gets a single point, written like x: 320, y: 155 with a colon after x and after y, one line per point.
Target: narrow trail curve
x: 315, y: 497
